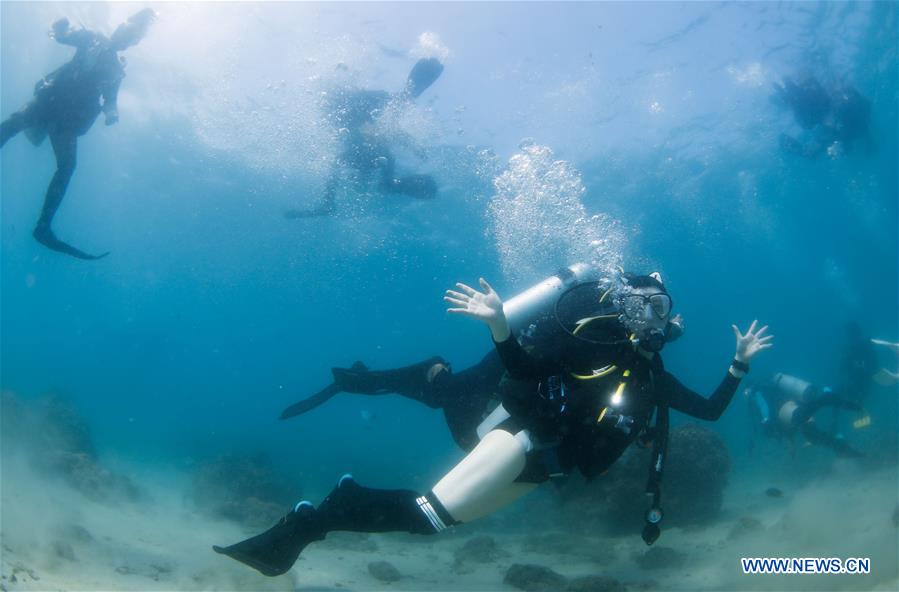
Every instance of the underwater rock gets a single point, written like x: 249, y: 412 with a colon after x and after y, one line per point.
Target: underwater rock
x: 692, y: 487
x: 384, y: 572
x: 534, y: 578
x: 570, y: 545
x: 746, y: 525
x: 243, y: 488
x: 56, y: 438
x: 660, y: 558
x: 595, y: 584
x: 480, y: 549
x: 84, y: 473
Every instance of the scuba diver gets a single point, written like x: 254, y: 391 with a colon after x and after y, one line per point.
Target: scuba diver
x: 467, y: 397
x: 577, y: 406
x: 786, y: 405
x: 832, y: 119
x: 354, y: 113
x: 67, y: 102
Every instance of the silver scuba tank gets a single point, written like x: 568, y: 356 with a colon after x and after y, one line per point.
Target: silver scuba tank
x: 538, y: 301
x: 793, y: 387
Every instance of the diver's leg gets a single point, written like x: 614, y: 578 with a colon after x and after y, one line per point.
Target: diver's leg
x: 485, y: 479
x: 65, y: 148
x: 14, y: 124
x: 820, y: 438
x: 827, y: 399
x: 413, y: 381
x: 482, y: 482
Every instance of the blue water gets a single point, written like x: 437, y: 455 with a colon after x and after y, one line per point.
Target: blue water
x: 213, y: 312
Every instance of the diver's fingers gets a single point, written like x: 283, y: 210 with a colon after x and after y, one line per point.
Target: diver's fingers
x: 453, y: 294
x: 456, y: 302
x: 736, y: 331
x: 765, y: 346
x: 457, y: 310
x: 467, y: 289
x: 766, y: 339
x: 752, y: 326
x: 487, y: 288
x: 760, y: 331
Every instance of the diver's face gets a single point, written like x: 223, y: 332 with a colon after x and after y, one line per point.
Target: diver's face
x: 646, y: 315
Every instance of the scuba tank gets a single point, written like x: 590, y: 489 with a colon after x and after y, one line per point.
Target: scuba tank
x: 526, y: 309
x: 793, y: 387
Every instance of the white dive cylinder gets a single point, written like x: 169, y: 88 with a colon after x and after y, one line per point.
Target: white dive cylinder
x: 539, y: 300
x: 795, y: 388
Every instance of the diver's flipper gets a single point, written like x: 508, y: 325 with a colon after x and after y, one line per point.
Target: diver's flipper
x: 312, y: 402
x: 46, y: 237
x: 423, y: 74
x: 274, y: 552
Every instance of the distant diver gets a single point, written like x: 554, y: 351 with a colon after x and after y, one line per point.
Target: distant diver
x: 785, y: 406
x: 67, y: 102
x: 364, y: 149
x: 832, y: 119
x: 576, y: 407
x: 885, y: 376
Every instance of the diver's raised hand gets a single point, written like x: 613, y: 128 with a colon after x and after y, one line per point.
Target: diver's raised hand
x: 485, y: 306
x: 751, y: 343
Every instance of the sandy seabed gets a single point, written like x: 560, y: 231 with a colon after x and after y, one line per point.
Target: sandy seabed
x: 56, y: 538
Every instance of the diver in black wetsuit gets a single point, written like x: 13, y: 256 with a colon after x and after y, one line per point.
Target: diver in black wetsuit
x: 786, y: 405
x: 67, y: 102
x: 832, y: 120
x: 354, y: 114
x: 579, y: 406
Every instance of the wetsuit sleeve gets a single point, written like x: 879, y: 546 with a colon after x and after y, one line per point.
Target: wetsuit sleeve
x: 692, y: 403
x: 519, y: 364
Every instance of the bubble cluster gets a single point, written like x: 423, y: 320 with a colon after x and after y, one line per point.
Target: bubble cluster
x: 539, y: 220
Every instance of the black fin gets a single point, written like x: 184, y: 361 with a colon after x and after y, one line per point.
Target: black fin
x: 312, y: 402
x: 274, y: 552
x: 49, y: 240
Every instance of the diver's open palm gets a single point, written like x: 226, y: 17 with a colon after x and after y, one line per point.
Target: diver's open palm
x: 485, y: 306
x: 752, y: 342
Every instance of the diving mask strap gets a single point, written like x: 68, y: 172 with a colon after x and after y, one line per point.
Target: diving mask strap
x: 651, y: 529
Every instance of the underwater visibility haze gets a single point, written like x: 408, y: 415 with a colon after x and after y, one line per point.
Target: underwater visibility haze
x: 212, y: 211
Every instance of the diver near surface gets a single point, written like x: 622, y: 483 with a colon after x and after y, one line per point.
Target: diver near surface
x: 785, y: 406
x: 578, y: 407
x: 832, y: 119
x: 67, y: 102
x: 354, y: 113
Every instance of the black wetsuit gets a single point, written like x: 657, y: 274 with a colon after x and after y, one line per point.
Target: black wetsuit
x: 66, y: 103
x: 579, y: 438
